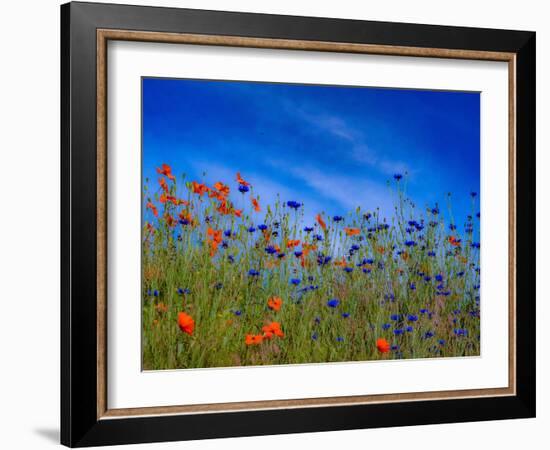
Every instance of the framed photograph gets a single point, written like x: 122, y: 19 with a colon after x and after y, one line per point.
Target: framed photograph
x: 277, y: 224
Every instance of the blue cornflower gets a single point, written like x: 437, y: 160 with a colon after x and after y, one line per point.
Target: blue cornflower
x: 412, y: 286
x: 410, y: 243
x: 337, y: 218
x: 429, y: 334
x: 370, y: 261
x: 314, y: 336
x: 251, y: 229
x: 383, y: 226
x: 227, y: 233
x: 293, y: 204
x: 184, y: 291
x: 367, y: 216
x: 262, y: 227
x: 397, y: 176
x: 156, y: 293
x: 452, y: 227
x: 238, y: 313
x: 409, y: 329
x: 270, y: 249
x: 183, y: 222
x: 366, y: 270
x: 298, y: 254
x: 431, y: 253
x: 395, y: 317
x: 441, y: 342
x: 322, y: 259
x: 281, y: 255
x: 339, y: 339
x: 253, y: 273
x: 231, y: 259
x: 460, y: 332
x: 225, y: 244
x: 395, y: 347
x: 398, y: 331
x: 386, y: 326
x: 345, y: 315
x: 412, y: 318
x: 460, y: 274
x: 295, y: 281
x: 317, y: 319
x: 439, y: 277
x: 435, y: 211
x: 355, y: 247
x: 333, y: 303
x: 243, y: 188
x: 423, y: 311
x: 427, y: 278
x: 318, y: 237
x: 475, y: 245
x: 308, y: 229
x: 348, y: 269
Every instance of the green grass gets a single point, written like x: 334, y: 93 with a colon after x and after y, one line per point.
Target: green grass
x: 177, y: 256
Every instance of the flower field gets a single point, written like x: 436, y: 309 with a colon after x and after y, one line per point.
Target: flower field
x: 230, y: 281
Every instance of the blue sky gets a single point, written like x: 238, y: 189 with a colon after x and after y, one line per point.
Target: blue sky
x: 331, y: 147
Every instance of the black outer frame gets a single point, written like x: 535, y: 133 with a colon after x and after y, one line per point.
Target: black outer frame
x: 79, y: 424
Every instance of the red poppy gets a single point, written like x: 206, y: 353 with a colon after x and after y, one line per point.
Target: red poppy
x: 454, y: 241
x: 241, y: 181
x: 255, y: 204
x: 222, y: 188
x: 186, y: 323
x: 252, y: 339
x: 291, y: 243
x: 321, y: 222
x: 341, y: 263
x: 382, y: 345
x: 153, y: 208
x: 163, y: 185
x: 275, y: 328
x: 275, y: 303
x: 199, y: 188
x: 215, y: 240
x: 238, y: 212
x: 352, y: 231
x: 170, y: 221
x: 166, y: 171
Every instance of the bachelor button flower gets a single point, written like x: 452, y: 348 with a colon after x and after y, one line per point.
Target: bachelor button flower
x: 337, y: 218
x: 298, y: 254
x: 412, y: 318
x: 339, y: 339
x: 398, y: 331
x: 412, y: 286
x: 243, y: 188
x: 231, y: 259
x: 355, y: 247
x: 452, y: 227
x: 383, y: 226
x: 322, y: 259
x: 318, y: 237
x: 314, y: 336
x: 427, y: 278
x: 238, y: 313
x: 184, y: 291
x: 156, y: 293
x: 431, y: 253
x: 366, y: 271
x: 227, y: 233
x: 435, y: 211
x: 409, y: 329
x: 251, y: 229
x: 423, y: 311
x: 395, y: 317
x: 270, y: 249
x: 428, y: 334
x: 295, y: 281
x: 308, y: 229
x: 460, y: 274
x: 460, y: 332
x: 293, y: 204
x: 253, y: 273
x: 397, y: 176
x: 348, y: 269
x: 475, y: 245
x: 439, y: 277
x: 410, y: 243
x: 367, y: 216
x: 441, y: 342
x: 333, y: 303
x: 262, y: 227
x: 345, y: 315
x: 386, y: 326
x: 281, y: 255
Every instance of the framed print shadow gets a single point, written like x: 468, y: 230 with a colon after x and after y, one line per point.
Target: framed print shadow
x: 277, y: 224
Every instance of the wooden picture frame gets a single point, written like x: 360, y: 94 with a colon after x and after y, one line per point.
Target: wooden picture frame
x: 86, y: 418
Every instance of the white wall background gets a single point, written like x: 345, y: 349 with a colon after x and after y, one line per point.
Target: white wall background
x: 29, y: 222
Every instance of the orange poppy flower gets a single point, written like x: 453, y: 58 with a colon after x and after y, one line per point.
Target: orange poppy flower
x: 186, y: 323
x: 381, y: 250
x: 222, y: 188
x: 291, y: 243
x: 166, y: 171
x: 150, y: 228
x: 170, y: 221
x: 238, y: 212
x: 153, y: 208
x: 252, y: 339
x: 352, y: 231
x: 255, y: 204
x: 163, y: 185
x: 161, y: 308
x: 321, y: 222
x: 215, y: 240
x: 454, y: 242
x: 306, y: 248
x: 267, y: 235
x: 186, y: 215
x: 275, y: 303
x: 382, y: 345
x: 241, y: 181
x: 199, y: 188
x: 275, y: 328
x: 341, y: 263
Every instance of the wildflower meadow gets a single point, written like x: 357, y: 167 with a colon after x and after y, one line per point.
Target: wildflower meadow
x: 228, y: 280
